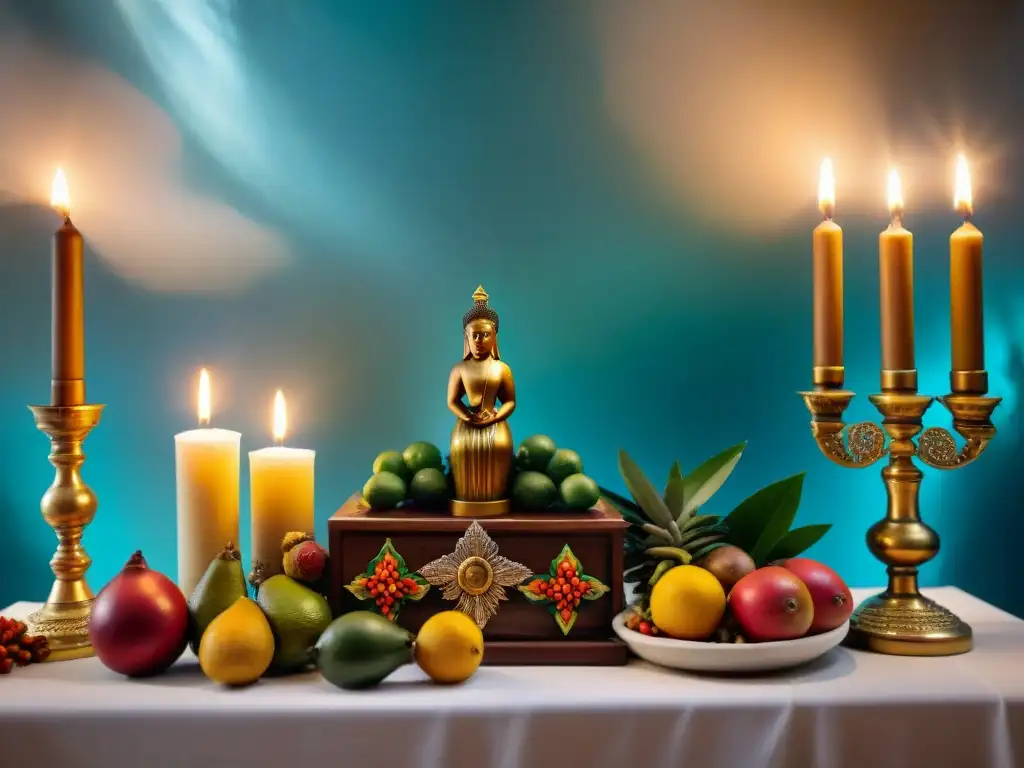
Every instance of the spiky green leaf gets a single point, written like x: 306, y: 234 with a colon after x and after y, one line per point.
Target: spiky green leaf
x: 630, y: 512
x: 708, y: 549
x: 675, y: 492
x: 701, y: 484
x: 760, y: 521
x: 797, y: 541
x: 646, y: 496
x: 658, y: 533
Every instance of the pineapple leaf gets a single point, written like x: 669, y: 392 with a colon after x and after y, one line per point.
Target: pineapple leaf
x: 658, y: 533
x: 704, y: 541
x: 708, y: 549
x: 797, y: 541
x: 705, y: 480
x: 676, y: 553
x: 674, y: 492
x: 700, y: 520
x: 697, y: 533
x: 759, y: 522
x: 660, y: 570
x: 630, y: 512
x: 646, y: 496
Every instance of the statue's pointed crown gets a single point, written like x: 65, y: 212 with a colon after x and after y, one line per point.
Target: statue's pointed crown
x: 480, y: 295
x: 480, y: 309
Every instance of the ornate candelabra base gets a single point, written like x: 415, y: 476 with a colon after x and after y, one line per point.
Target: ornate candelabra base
x: 900, y: 620
x: 907, y: 625
x: 68, y: 506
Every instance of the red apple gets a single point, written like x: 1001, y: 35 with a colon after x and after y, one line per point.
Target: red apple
x: 771, y: 603
x: 833, y: 602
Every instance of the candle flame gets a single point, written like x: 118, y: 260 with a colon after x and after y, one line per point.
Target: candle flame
x: 826, y: 187
x: 59, y: 196
x: 895, y: 193
x: 280, y: 417
x: 204, y: 396
x: 962, y: 199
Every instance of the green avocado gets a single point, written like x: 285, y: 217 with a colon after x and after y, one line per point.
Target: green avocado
x: 360, y: 649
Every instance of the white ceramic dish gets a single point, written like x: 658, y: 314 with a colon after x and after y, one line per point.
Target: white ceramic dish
x: 728, y: 657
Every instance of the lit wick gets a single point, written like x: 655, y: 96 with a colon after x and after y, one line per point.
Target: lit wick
x: 59, y: 195
x: 280, y: 418
x: 827, y: 190
x: 962, y: 197
x: 204, y: 398
x: 895, y: 199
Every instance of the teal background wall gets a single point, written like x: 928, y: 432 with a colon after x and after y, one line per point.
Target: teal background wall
x: 401, y: 156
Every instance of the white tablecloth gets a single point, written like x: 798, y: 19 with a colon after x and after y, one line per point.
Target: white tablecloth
x: 847, y: 709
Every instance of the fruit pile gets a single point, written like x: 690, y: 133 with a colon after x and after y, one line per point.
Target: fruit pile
x: 360, y: 649
x: 386, y: 585
x: 18, y: 648
x: 547, y: 475
x: 415, y: 475
x: 782, y: 601
x: 141, y: 623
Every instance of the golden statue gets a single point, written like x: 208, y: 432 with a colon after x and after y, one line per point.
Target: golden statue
x: 481, y: 449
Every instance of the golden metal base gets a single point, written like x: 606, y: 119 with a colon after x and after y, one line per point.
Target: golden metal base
x: 66, y: 627
x: 908, y: 625
x: 481, y: 508
x: 68, y: 506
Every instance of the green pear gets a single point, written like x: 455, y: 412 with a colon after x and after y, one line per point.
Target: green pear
x: 219, y: 589
x: 360, y: 649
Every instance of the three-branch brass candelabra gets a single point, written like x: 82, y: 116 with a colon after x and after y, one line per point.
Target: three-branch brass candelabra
x: 901, y: 620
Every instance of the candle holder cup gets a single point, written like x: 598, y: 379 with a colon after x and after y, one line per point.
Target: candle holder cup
x: 900, y: 620
x: 68, y: 506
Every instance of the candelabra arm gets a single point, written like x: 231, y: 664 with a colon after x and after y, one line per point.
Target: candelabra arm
x: 972, y: 414
x: 856, y: 445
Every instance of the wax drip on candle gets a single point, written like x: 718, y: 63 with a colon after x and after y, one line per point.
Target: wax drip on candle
x: 827, y: 190
x: 280, y: 418
x: 962, y: 197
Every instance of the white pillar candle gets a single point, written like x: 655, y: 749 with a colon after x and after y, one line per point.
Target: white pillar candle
x: 207, y: 474
x: 281, y: 482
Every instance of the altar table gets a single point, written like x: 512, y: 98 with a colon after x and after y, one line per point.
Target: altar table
x: 847, y: 709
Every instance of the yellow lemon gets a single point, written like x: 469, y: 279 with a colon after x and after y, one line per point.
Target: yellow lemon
x: 449, y: 647
x: 687, y: 603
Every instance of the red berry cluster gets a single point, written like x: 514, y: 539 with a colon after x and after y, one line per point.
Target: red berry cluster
x: 387, y: 585
x: 565, y: 589
x: 17, y: 648
x: 638, y: 623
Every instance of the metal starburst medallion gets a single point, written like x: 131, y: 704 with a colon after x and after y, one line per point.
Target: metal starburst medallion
x: 475, y: 575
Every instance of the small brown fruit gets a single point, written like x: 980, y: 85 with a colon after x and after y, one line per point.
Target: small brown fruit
x: 729, y: 564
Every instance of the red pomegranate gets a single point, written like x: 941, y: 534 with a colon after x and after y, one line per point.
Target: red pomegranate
x: 771, y: 603
x: 833, y: 602
x: 139, y: 623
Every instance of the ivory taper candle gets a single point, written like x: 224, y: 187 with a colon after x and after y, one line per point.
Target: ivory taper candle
x: 281, y: 484
x: 67, y: 344
x: 896, y: 284
x: 828, y: 287
x: 966, y: 320
x: 207, y: 475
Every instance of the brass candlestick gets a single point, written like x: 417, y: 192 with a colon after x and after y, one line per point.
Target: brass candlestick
x: 901, y: 620
x: 68, y: 506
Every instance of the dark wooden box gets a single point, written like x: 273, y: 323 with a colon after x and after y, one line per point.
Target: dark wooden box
x: 521, y: 632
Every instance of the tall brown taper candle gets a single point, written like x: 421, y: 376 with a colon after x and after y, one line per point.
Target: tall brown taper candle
x: 828, y: 287
x: 966, y: 322
x: 896, y: 283
x: 67, y: 386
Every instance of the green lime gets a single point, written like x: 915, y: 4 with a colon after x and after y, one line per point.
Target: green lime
x: 579, y: 492
x: 535, y: 452
x: 563, y: 464
x: 422, y: 455
x: 385, y: 490
x: 390, y: 461
x: 429, y: 486
x: 533, y: 490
